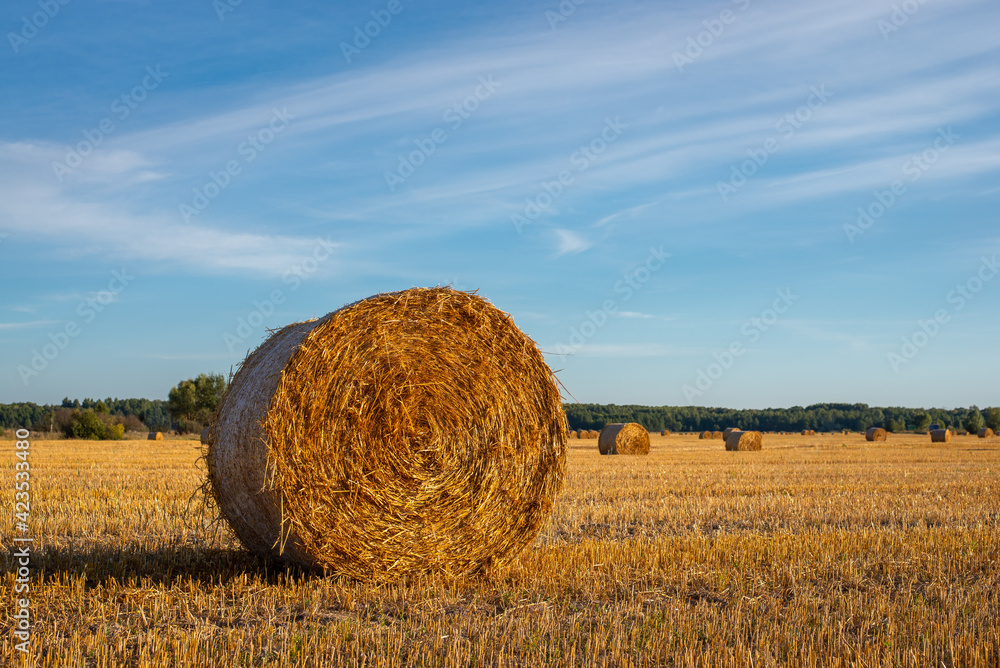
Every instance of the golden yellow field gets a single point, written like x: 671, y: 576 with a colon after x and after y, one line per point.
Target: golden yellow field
x: 819, y: 550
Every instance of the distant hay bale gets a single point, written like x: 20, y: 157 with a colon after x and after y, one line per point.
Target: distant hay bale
x: 204, y: 436
x: 705, y: 435
x: 940, y: 435
x: 623, y: 438
x: 154, y: 436
x: 727, y: 431
x: 717, y: 435
x: 875, y: 434
x: 744, y: 440
x: 411, y: 432
x: 573, y: 434
x: 986, y: 433
x: 664, y: 433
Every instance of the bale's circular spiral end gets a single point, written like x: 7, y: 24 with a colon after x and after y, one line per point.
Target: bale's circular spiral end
x: 876, y: 434
x: 411, y: 432
x: 623, y: 438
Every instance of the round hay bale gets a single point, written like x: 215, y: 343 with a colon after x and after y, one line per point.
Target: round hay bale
x: 594, y: 433
x: 705, y: 435
x: 875, y: 434
x: 717, y: 435
x: 155, y: 436
x: 623, y: 438
x: 940, y: 435
x: 573, y: 434
x: 727, y: 431
x: 744, y: 440
x: 411, y: 432
x: 986, y: 433
x: 665, y: 433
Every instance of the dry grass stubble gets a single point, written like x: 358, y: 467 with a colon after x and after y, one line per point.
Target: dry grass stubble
x: 829, y: 552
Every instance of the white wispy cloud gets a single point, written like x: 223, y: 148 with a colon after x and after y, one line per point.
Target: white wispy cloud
x: 624, y: 214
x: 569, y: 242
x: 27, y: 325
x: 629, y: 350
x: 684, y: 129
x: 835, y: 333
x: 38, y: 206
x: 191, y: 356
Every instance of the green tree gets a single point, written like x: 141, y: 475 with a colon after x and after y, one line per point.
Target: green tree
x: 86, y: 424
x: 183, y: 400
x: 974, y: 420
x: 993, y: 418
x: 209, y: 389
x: 195, y: 399
x: 922, y: 422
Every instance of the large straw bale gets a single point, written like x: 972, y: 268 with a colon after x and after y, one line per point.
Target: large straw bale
x: 624, y: 438
x: 414, y: 431
x: 876, y: 434
x: 940, y: 435
x: 744, y: 440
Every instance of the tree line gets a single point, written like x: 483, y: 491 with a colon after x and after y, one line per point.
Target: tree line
x: 191, y: 402
x: 145, y: 413
x: 188, y: 408
x: 820, y: 417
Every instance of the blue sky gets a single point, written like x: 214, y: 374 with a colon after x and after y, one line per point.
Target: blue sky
x: 666, y: 196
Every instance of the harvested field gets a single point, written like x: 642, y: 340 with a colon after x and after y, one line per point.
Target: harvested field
x: 691, y: 556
